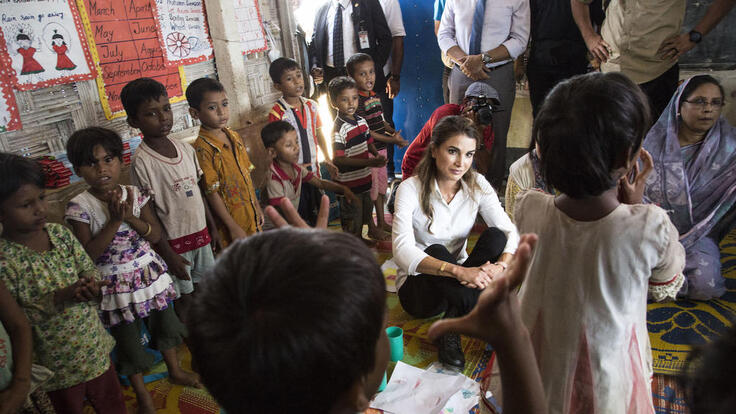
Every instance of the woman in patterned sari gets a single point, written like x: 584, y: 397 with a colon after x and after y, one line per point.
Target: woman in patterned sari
x: 694, y: 179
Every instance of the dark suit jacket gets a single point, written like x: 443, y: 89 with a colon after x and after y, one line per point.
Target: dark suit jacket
x: 368, y: 16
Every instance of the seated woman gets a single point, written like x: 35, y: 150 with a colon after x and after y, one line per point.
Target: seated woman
x: 694, y: 179
x: 524, y: 174
x: 435, y: 212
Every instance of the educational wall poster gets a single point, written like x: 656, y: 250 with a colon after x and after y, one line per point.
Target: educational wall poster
x: 250, y: 26
x: 182, y: 31
x: 44, y: 43
x: 9, y: 116
x: 124, y: 43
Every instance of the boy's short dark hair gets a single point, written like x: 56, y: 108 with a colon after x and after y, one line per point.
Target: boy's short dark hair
x: 196, y: 90
x: 281, y: 65
x: 139, y: 91
x: 288, y: 321
x: 16, y: 172
x: 339, y: 84
x: 586, y: 128
x: 274, y: 131
x: 355, y: 60
x: 81, y: 144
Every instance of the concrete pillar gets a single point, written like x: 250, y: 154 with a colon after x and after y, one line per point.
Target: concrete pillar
x: 229, y: 59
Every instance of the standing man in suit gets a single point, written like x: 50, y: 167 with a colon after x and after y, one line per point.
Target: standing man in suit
x: 343, y: 28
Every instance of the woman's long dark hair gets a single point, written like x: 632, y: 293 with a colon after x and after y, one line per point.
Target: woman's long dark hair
x: 426, y: 171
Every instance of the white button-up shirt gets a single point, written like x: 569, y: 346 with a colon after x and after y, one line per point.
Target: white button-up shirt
x: 395, y: 20
x: 506, y: 23
x: 451, y: 225
x: 348, y: 32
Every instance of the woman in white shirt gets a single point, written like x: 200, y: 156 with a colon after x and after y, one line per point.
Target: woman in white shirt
x: 435, y: 212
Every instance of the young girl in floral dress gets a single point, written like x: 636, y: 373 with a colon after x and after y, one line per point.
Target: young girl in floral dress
x: 116, y: 226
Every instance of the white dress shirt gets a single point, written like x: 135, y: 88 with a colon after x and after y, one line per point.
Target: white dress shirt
x: 348, y: 33
x: 392, y: 11
x: 506, y: 23
x: 451, y: 226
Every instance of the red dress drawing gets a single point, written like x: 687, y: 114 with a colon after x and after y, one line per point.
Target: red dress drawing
x: 30, y: 65
x: 62, y: 60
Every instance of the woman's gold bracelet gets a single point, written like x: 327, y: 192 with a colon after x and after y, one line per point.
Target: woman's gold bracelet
x: 442, y: 268
x: 147, y: 231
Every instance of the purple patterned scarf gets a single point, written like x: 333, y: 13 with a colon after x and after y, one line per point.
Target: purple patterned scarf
x: 699, y: 192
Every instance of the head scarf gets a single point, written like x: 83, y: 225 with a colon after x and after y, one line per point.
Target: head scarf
x: 697, y: 192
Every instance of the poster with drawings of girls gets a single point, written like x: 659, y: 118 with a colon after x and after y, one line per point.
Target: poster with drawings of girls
x: 44, y: 44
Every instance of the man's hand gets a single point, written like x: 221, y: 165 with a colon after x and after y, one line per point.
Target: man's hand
x: 472, y: 66
x: 392, y: 87
x: 597, y: 47
x: 318, y: 75
x: 675, y: 46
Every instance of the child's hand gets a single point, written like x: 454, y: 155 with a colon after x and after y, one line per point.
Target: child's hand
x: 332, y: 169
x: 88, y: 289
x: 215, y: 240
x: 378, y: 161
x: 115, y: 207
x: 631, y: 186
x: 237, y: 233
x: 292, y: 216
x: 399, y: 140
x: 177, y: 266
x: 13, y: 397
x: 497, y: 311
x: 350, y: 196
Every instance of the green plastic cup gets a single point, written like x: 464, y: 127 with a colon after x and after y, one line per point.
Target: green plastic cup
x: 396, y: 340
x: 383, y: 383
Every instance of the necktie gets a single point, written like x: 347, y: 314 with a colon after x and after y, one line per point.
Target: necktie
x: 338, y: 55
x: 477, y: 30
x: 303, y: 138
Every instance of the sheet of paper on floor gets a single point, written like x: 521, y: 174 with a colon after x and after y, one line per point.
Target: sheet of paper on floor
x: 432, y: 391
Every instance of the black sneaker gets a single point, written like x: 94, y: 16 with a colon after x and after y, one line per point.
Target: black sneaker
x: 450, y: 352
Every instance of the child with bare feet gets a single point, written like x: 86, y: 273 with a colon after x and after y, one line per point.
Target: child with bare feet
x: 351, y: 146
x: 361, y: 68
x: 117, y: 226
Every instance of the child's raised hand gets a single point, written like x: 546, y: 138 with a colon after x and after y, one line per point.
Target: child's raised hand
x: 497, y: 309
x: 127, y: 206
x: 631, y: 186
x: 115, y: 207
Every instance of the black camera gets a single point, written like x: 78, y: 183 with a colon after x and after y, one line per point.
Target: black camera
x: 484, y: 107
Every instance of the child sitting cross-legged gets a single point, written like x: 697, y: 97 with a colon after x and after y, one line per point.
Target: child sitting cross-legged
x: 116, y: 225
x: 282, y: 311
x: 51, y: 277
x: 361, y: 68
x: 225, y: 164
x: 286, y: 175
x: 352, y: 146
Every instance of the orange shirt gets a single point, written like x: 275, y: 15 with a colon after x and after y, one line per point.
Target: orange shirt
x: 227, y: 172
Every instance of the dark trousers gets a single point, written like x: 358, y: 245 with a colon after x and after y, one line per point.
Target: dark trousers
x: 103, y: 393
x: 425, y: 295
x: 660, y: 90
x: 543, y: 78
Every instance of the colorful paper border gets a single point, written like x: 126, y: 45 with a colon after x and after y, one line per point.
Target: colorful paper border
x: 109, y: 114
x: 91, y: 65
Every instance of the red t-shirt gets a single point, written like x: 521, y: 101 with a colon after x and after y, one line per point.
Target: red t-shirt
x: 416, y: 149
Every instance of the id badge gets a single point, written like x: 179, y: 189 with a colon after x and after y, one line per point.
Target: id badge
x: 363, y: 38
